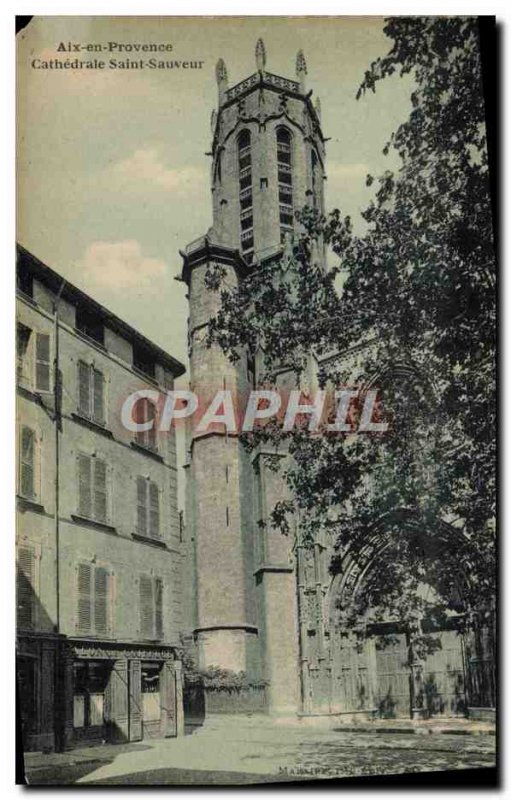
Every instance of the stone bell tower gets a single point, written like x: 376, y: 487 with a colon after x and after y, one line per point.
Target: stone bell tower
x: 267, y: 162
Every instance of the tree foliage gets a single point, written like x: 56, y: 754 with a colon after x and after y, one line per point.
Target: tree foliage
x: 419, y: 293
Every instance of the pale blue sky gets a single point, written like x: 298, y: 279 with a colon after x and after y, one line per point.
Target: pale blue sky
x: 112, y: 176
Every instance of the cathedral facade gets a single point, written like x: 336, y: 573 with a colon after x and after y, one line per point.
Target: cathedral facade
x: 265, y: 605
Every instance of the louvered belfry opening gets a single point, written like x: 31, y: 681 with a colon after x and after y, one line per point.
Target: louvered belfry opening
x: 285, y: 180
x: 246, y: 195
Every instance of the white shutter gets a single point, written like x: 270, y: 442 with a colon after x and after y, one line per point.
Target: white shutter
x: 158, y: 607
x: 146, y: 607
x: 84, y: 486
x: 84, y: 388
x: 98, y: 396
x: 101, y: 600
x: 142, y: 506
x: 84, y: 614
x: 154, y: 510
x: 100, y: 490
x: 42, y: 362
x: 27, y: 466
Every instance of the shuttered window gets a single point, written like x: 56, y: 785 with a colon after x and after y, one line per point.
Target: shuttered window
x: 151, y: 607
x: 84, y: 617
x: 148, y: 508
x: 91, y: 393
x: 158, y: 608
x: 93, y: 592
x: 42, y: 362
x: 101, y: 600
x: 27, y: 463
x: 145, y: 411
x: 24, y: 362
x: 92, y: 488
x: 25, y: 577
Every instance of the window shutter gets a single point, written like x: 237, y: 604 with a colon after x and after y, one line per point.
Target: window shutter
x: 99, y: 409
x: 151, y: 433
x: 101, y: 600
x: 25, y: 587
x: 142, y: 506
x: 27, y: 462
x: 23, y: 360
x: 158, y: 607
x: 146, y: 411
x: 84, y: 486
x: 100, y: 493
x: 84, y: 597
x: 154, y: 510
x: 42, y: 362
x: 146, y: 607
x: 83, y: 388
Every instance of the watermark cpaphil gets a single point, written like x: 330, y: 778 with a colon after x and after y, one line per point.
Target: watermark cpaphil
x: 346, y: 410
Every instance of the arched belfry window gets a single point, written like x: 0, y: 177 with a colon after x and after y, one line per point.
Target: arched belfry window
x: 245, y: 193
x: 285, y: 180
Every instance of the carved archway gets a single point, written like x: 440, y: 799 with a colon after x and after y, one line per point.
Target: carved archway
x: 378, y: 673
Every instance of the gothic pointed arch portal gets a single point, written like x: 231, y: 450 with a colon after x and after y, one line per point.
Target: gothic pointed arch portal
x: 372, y: 670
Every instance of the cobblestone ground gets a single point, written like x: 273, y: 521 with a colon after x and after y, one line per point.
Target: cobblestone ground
x: 232, y: 751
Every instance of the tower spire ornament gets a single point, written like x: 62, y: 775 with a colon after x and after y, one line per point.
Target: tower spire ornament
x: 301, y: 69
x: 222, y: 78
x: 260, y: 55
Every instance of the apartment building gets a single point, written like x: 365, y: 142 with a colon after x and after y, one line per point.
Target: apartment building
x: 99, y: 550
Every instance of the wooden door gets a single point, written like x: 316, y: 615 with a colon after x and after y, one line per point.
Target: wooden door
x: 443, y: 676
x: 135, y: 701
x: 393, y: 676
x: 168, y: 700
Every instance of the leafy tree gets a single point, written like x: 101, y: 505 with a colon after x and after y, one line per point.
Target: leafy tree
x: 419, y: 292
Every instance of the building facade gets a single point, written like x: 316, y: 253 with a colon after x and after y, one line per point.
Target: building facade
x: 265, y: 605
x: 99, y: 552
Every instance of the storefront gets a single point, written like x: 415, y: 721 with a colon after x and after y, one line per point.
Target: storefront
x: 116, y: 693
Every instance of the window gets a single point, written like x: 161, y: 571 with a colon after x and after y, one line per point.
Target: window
x: 145, y: 411
x: 92, y: 488
x: 285, y: 181
x: 151, y: 607
x: 27, y: 476
x: 33, y: 367
x: 143, y: 361
x: 93, y: 609
x: 148, y: 508
x: 245, y: 194
x: 25, y: 283
x: 90, y: 682
x: 89, y: 323
x: 91, y: 393
x: 25, y: 579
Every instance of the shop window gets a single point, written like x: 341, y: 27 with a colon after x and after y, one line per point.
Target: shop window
x: 150, y: 688
x: 90, y: 681
x: 91, y: 393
